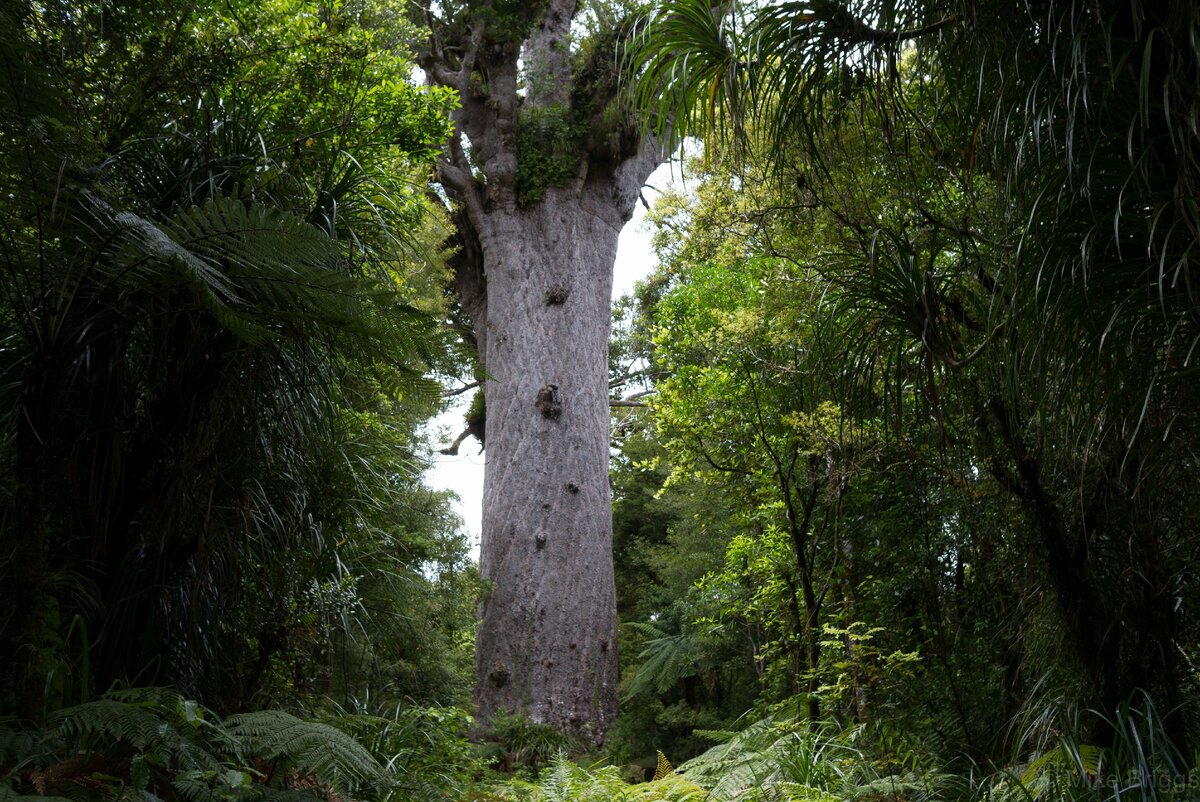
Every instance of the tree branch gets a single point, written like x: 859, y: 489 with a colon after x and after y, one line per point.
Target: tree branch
x: 852, y: 29
x: 460, y: 390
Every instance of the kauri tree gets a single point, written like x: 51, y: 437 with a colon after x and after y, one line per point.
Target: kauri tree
x: 542, y: 172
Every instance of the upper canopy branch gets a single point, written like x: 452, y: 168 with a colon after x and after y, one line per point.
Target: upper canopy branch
x: 852, y: 29
x: 533, y: 113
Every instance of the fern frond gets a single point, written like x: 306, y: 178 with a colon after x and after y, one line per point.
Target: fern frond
x: 310, y: 746
x: 716, y: 736
x: 664, y: 767
x: 794, y: 792
x: 646, y: 629
x: 137, y: 724
x: 671, y: 788
x: 768, y: 755
x: 666, y: 659
x: 18, y: 745
x: 279, y: 265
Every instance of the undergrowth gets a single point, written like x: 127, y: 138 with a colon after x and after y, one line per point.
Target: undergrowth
x: 784, y: 759
x: 150, y: 744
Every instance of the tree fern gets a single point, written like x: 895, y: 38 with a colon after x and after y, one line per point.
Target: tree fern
x: 771, y: 754
x: 665, y: 659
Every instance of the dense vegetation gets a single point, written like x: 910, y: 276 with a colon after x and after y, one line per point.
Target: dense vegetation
x: 220, y: 295
x: 904, y: 479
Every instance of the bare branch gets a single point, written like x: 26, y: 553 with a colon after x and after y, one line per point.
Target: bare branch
x: 460, y: 390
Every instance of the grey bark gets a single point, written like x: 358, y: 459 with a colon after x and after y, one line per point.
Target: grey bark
x: 536, y: 281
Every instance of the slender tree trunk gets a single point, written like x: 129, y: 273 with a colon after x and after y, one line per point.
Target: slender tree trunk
x: 29, y: 554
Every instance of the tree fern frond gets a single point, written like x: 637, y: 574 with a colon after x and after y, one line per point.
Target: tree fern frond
x: 138, y: 724
x: 282, y: 266
x: 768, y: 754
x: 671, y: 788
x: 311, y: 746
x: 646, y: 629
x: 716, y: 736
x: 666, y: 659
x: 18, y: 745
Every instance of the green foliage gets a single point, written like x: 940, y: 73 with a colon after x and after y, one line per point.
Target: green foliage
x: 518, y: 744
x: 664, y: 660
x: 425, y: 751
x: 152, y: 743
x: 971, y: 266
x: 565, y: 781
x: 309, y: 747
x: 860, y: 662
x: 548, y: 152
x: 1056, y: 765
x: 219, y: 308
x: 768, y: 753
x: 508, y: 21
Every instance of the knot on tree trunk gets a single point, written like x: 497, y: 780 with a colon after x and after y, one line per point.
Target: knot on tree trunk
x: 498, y: 676
x: 549, y: 403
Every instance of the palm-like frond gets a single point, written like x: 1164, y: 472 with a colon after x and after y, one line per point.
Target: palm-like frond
x: 690, y: 70
x: 775, y: 71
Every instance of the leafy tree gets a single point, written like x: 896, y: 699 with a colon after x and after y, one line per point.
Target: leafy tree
x: 206, y: 302
x: 725, y: 414
x: 1021, y: 280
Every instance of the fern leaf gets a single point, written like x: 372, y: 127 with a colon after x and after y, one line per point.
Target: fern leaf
x: 133, y: 723
x: 311, y: 746
x: 665, y: 660
x: 671, y: 788
x: 664, y: 767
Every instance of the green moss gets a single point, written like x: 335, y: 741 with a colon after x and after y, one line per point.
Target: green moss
x: 548, y: 150
x: 510, y: 21
x: 478, y: 85
x: 477, y: 411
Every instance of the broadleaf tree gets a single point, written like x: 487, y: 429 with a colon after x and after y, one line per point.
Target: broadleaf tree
x: 542, y: 173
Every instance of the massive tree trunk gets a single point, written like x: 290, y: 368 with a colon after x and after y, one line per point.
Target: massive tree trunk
x: 539, y: 203
x: 547, y: 640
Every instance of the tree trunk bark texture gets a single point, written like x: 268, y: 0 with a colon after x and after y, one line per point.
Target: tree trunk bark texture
x: 541, y: 182
x: 547, y: 637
